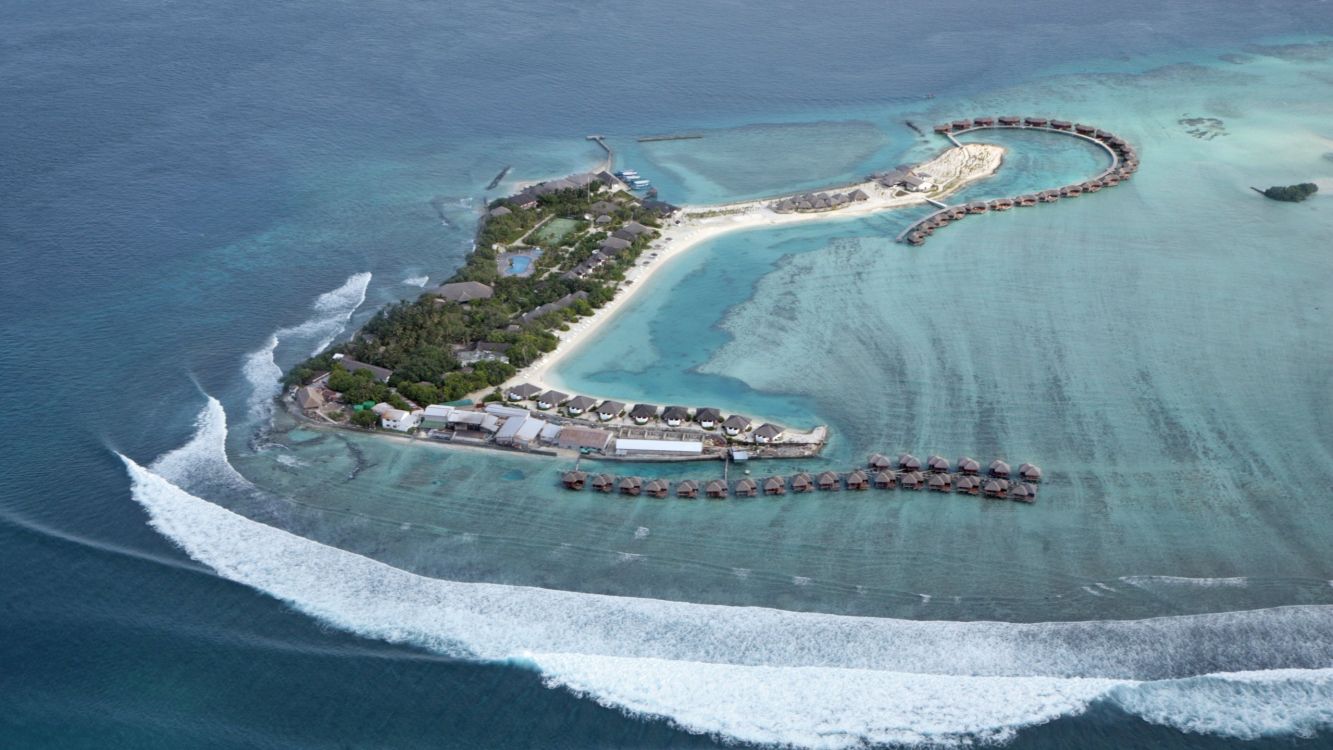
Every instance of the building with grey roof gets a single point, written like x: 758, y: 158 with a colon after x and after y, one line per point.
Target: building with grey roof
x: 463, y: 292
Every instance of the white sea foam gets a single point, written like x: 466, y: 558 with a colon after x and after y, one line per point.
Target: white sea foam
x: 332, y: 311
x: 1144, y: 581
x: 417, y: 281
x: 768, y: 675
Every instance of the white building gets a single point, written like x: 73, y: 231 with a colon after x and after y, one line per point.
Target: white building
x: 520, y: 432
x: 635, y: 447
x: 397, y: 419
x: 436, y: 416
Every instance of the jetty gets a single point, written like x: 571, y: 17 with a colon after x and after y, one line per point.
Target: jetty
x: 600, y: 140
x: 906, y: 473
x: 682, y: 137
x: 1124, y: 163
x: 500, y: 176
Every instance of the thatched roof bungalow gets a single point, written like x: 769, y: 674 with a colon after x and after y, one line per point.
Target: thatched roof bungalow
x: 574, y: 480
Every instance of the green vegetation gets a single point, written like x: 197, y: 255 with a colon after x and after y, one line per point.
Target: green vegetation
x: 421, y: 340
x: 1292, y: 193
x: 365, y: 418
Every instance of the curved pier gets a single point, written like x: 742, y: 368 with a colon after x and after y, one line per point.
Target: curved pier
x: 1124, y: 162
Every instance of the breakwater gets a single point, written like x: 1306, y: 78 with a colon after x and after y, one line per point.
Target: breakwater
x: 1124, y: 163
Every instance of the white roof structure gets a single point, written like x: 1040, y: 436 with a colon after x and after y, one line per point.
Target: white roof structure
x: 550, y: 432
x: 393, y: 415
x: 625, y: 446
x: 500, y: 410
x: 438, y: 412
x: 529, y: 430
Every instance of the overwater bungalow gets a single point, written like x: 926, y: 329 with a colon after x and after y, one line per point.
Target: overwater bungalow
x: 604, y: 483
x: 802, y: 483
x: 943, y: 127
x: 937, y: 464
x: 1024, y: 493
x: 911, y: 480
x: 747, y: 487
x: 1110, y: 180
x: 940, y: 483
x: 657, y: 488
x: 1029, y: 472
x: 968, y: 466
x: 675, y: 416
x: 976, y: 207
x: 961, y: 125
x: 643, y: 413
x: 1000, y: 204
x: 716, y: 489
x: 1035, y: 122
x: 1049, y: 196
x: 827, y: 481
x: 630, y: 486
x: 885, y: 480
x: 775, y: 486
x: 983, y: 122
x: 687, y: 490
x: 1103, y: 135
x: 1010, y: 120
x: 908, y: 462
x: 999, y: 469
x: 707, y: 417
x: 1027, y: 200
x: 609, y: 410
x: 1071, y: 191
x: 575, y: 480
x: 970, y: 485
x: 857, y: 480
x: 1060, y: 125
x: 916, y: 238
x: 1091, y: 186
x: 957, y: 213
x: 1082, y: 129
x: 879, y: 462
x: 996, y: 488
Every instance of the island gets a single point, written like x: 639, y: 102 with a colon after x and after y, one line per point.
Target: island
x: 1289, y: 193
x: 468, y: 363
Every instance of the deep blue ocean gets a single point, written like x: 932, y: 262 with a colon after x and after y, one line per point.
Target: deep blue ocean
x: 186, y: 189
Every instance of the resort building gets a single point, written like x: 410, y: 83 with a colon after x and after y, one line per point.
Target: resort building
x: 584, y: 438
x: 464, y: 292
x: 609, y: 410
x: 436, y: 416
x: 551, y: 399
x: 802, y: 483
x: 707, y: 417
x: 499, y: 211
x: 735, y: 425
x: 578, y: 405
x: 687, y: 489
x: 397, y: 419
x: 474, y: 421
x: 520, y: 432
x: 767, y: 433
x: 675, y: 416
x: 643, y: 413
x: 351, y: 365
x: 309, y: 397
x: 636, y: 447
x: 522, y: 392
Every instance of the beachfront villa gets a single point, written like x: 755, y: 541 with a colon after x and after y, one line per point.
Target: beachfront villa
x: 399, y: 420
x: 609, y: 410
x: 578, y: 405
x: 707, y: 417
x: 551, y: 399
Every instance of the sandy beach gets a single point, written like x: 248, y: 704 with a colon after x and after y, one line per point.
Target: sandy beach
x: 694, y: 225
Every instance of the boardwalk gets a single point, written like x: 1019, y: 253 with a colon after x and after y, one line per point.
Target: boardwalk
x: 1124, y: 162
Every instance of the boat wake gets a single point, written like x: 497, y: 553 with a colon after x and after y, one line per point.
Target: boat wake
x: 332, y: 311
x: 764, y: 675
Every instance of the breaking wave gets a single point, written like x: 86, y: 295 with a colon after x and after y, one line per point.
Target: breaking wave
x: 1147, y: 581
x: 417, y: 281
x: 332, y: 311
x: 766, y: 675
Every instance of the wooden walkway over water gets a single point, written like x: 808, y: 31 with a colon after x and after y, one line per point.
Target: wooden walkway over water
x: 1124, y: 162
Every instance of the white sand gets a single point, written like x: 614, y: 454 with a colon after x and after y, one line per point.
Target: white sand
x: 950, y: 171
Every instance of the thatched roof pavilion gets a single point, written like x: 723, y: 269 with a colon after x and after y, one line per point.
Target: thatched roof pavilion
x: 940, y: 482
x: 908, y: 462
x: 969, y: 484
x: 885, y: 480
x: 716, y: 489
x: 747, y: 487
x: 911, y: 480
x: 995, y: 487
x: 968, y: 465
x: 999, y: 469
x: 631, y: 485
x: 575, y: 480
x: 879, y: 462
x: 857, y: 480
x: 775, y: 486
x: 1024, y: 493
x: 604, y: 483
x: 827, y: 481
x: 937, y: 464
x: 657, y: 488
x: 802, y: 483
x: 1029, y: 472
x: 688, y: 489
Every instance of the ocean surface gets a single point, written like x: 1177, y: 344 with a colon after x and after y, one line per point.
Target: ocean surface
x: 194, y: 197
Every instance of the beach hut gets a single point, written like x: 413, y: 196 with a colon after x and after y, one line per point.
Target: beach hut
x: 775, y: 486
x: 968, y: 466
x: 827, y: 481
x: 688, y: 489
x: 747, y: 487
x: 642, y: 413
x: 911, y: 480
x: 707, y: 417
x: 630, y: 486
x: 551, y: 399
x: 937, y: 464
x: 999, y: 469
x: 885, y: 480
x: 857, y: 480
x: 767, y: 433
x: 574, y: 480
x: 522, y: 392
x: 1029, y: 472
x: 657, y: 488
x: 802, y: 483
x: 879, y: 462
x: 908, y: 462
x: 609, y: 410
x: 969, y: 484
x: 940, y: 482
x: 604, y: 483
x: 1024, y: 493
x: 996, y: 487
x: 735, y: 425
x: 675, y: 416
x: 859, y: 195
x: 716, y: 489
x: 578, y: 405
